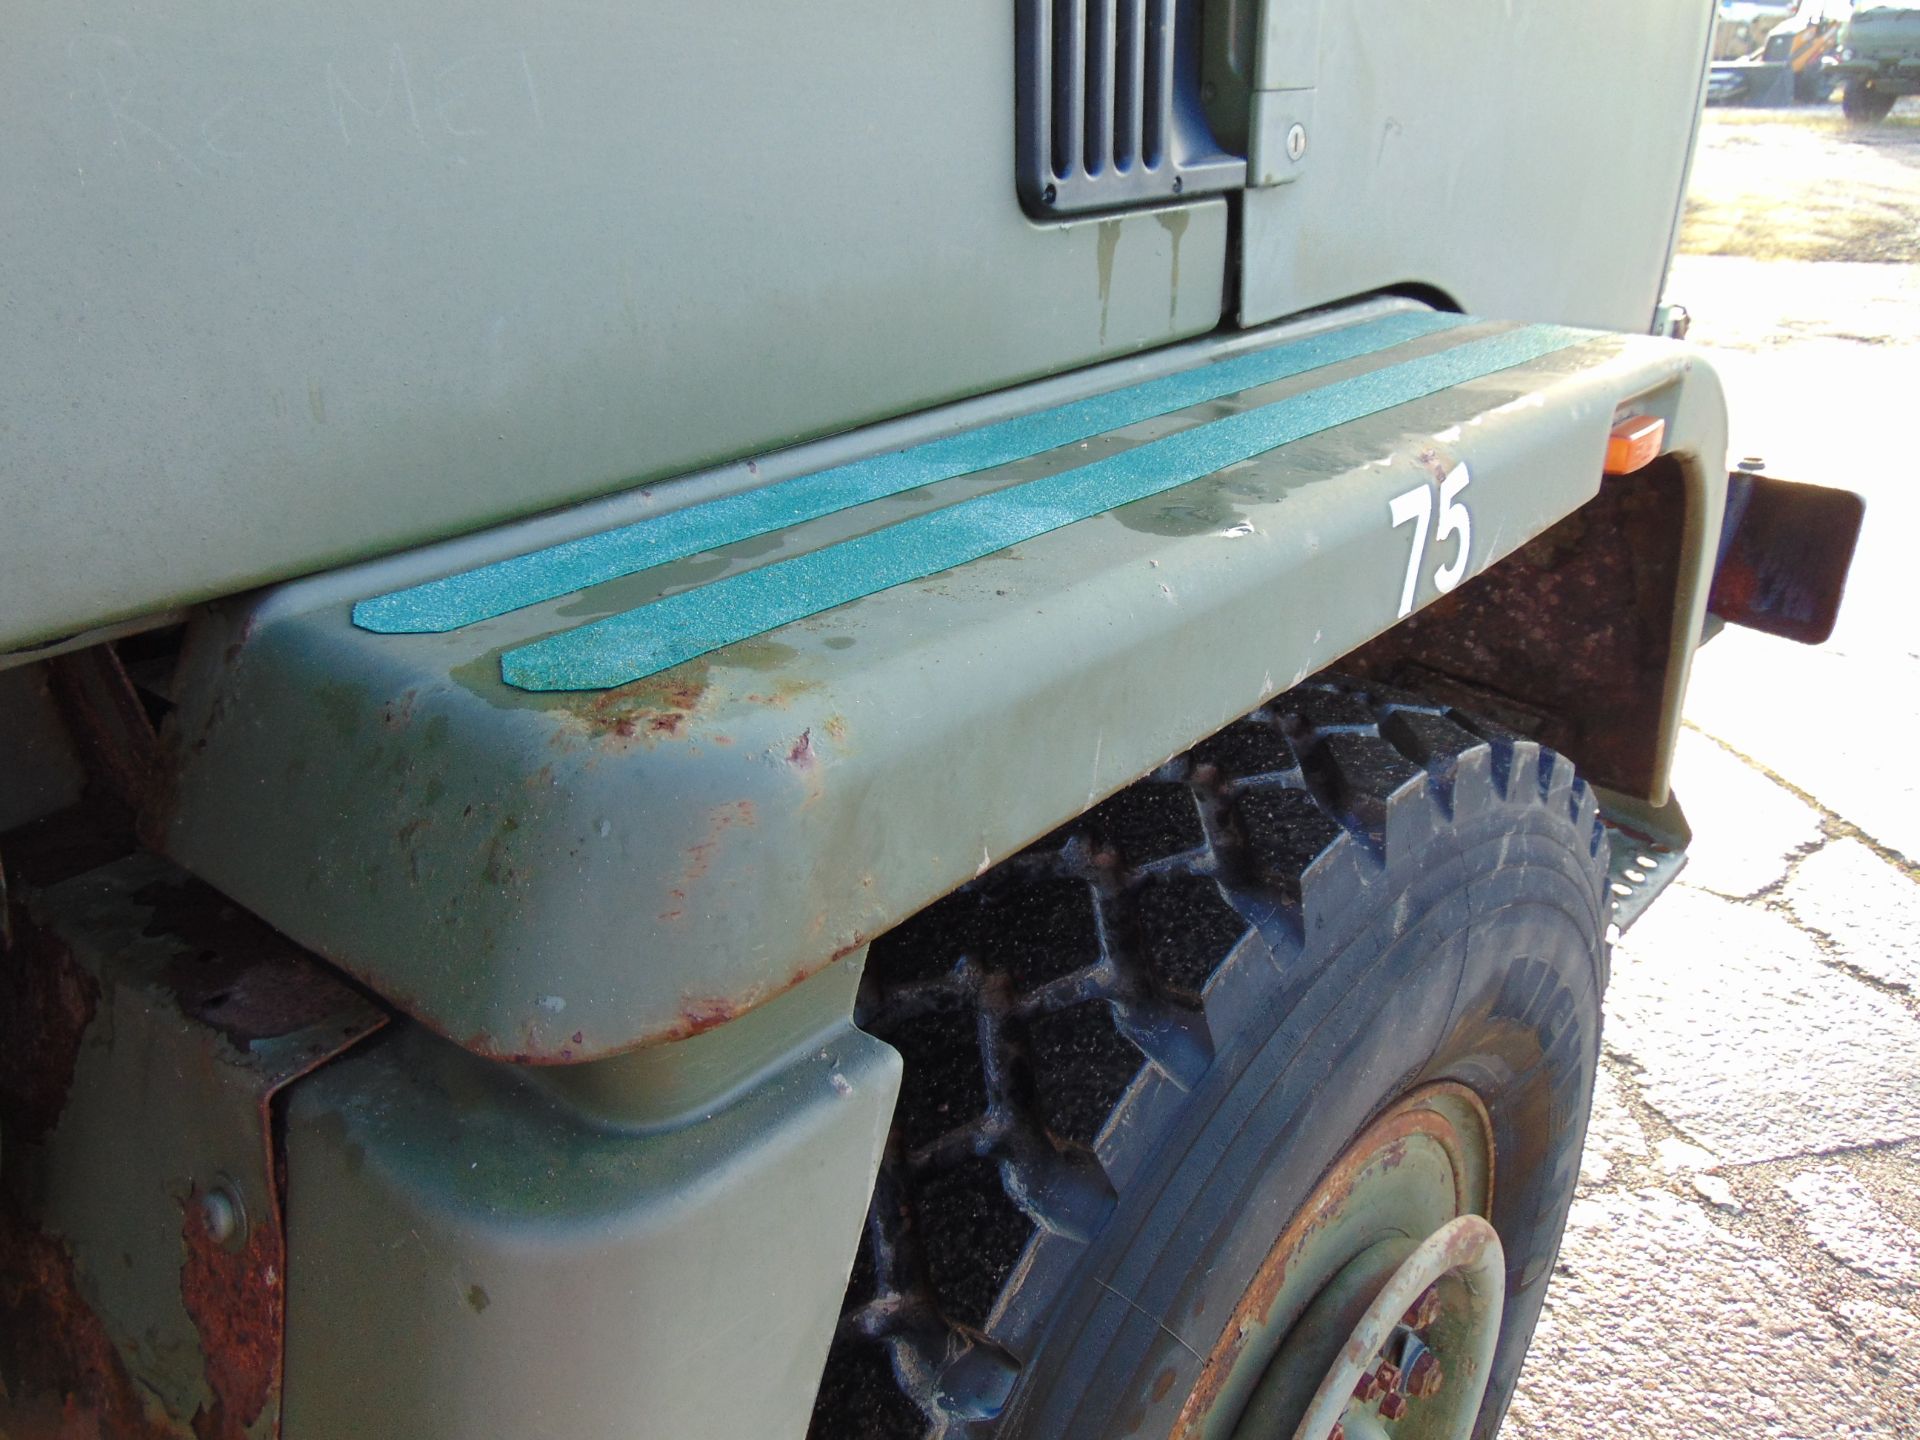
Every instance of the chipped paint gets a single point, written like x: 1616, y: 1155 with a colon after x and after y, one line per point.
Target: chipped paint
x: 802, y: 756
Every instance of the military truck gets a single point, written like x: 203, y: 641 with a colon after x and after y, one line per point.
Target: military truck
x: 1878, y: 60
x: 882, y: 721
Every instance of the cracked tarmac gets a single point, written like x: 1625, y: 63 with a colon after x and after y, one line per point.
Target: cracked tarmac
x: 1744, y: 1254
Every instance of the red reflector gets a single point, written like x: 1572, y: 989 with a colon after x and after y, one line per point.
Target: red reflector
x: 1634, y: 443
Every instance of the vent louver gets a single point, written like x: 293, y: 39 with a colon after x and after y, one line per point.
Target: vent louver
x: 1109, y: 106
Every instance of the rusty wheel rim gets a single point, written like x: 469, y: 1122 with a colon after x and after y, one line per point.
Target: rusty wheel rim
x: 1404, y: 1206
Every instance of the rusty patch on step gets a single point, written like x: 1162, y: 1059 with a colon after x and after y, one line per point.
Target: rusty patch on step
x: 661, y: 707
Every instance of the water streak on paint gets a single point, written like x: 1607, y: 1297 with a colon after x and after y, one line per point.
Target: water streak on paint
x: 1109, y: 241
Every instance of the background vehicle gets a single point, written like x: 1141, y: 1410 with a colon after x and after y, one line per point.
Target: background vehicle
x: 1879, y: 60
x: 1742, y: 26
x: 1792, y: 65
x: 668, y: 764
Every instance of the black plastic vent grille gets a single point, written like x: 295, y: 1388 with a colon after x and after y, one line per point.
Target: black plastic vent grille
x: 1109, y: 106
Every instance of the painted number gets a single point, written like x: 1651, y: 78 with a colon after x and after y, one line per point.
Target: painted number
x: 1417, y: 506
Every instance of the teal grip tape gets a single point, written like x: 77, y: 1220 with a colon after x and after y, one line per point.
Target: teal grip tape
x: 678, y: 627
x: 508, y: 585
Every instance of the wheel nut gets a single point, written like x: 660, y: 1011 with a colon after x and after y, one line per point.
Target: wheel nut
x: 1424, y: 1379
x: 1364, y: 1389
x: 1387, y: 1376
x: 1392, y: 1407
x: 1424, y: 1311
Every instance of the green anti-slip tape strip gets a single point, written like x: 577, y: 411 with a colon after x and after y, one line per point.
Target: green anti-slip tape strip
x: 678, y: 627
x: 496, y: 589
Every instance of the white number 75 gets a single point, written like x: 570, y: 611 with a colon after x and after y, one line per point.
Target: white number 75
x: 1417, y: 506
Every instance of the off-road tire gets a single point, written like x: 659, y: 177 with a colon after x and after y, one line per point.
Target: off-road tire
x: 1131, y: 1051
x: 1865, y: 106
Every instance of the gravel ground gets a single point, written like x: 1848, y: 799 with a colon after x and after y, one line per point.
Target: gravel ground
x: 1744, y: 1256
x: 1804, y: 184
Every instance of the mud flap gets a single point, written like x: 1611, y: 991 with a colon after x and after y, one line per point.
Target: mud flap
x: 1785, y: 550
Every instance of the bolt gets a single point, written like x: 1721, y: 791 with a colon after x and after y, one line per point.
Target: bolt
x: 224, y: 1217
x: 1424, y: 1379
x: 1388, y: 1376
x: 1392, y: 1407
x: 1296, y: 141
x: 1364, y: 1388
x: 1338, y: 1432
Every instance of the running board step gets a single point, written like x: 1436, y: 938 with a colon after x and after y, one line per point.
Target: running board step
x: 615, y: 775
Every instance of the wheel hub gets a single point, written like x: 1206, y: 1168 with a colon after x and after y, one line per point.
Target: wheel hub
x: 1416, y: 1364
x: 1376, y: 1312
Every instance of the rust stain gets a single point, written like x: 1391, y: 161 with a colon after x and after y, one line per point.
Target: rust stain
x: 699, y: 1014
x: 696, y: 1014
x: 836, y: 729
x: 397, y: 714
x: 700, y: 855
x: 180, y: 948
x: 47, y: 1000
x: 60, y: 1373
x: 243, y: 639
x: 658, y: 707
x: 113, y: 734
x: 232, y: 971
x: 497, y: 856
x: 783, y: 693
x: 234, y: 1299
x: 1384, y: 1142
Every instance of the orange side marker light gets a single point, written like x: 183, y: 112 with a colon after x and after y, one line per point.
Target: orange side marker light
x: 1634, y: 443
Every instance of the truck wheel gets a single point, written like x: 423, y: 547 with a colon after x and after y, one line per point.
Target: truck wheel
x: 1865, y: 106
x: 1249, y: 1104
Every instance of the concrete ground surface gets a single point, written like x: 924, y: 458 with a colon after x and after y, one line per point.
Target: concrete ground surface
x: 1744, y: 1255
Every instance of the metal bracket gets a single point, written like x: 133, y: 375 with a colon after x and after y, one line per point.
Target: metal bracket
x: 146, y: 1025
x: 1647, y: 850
